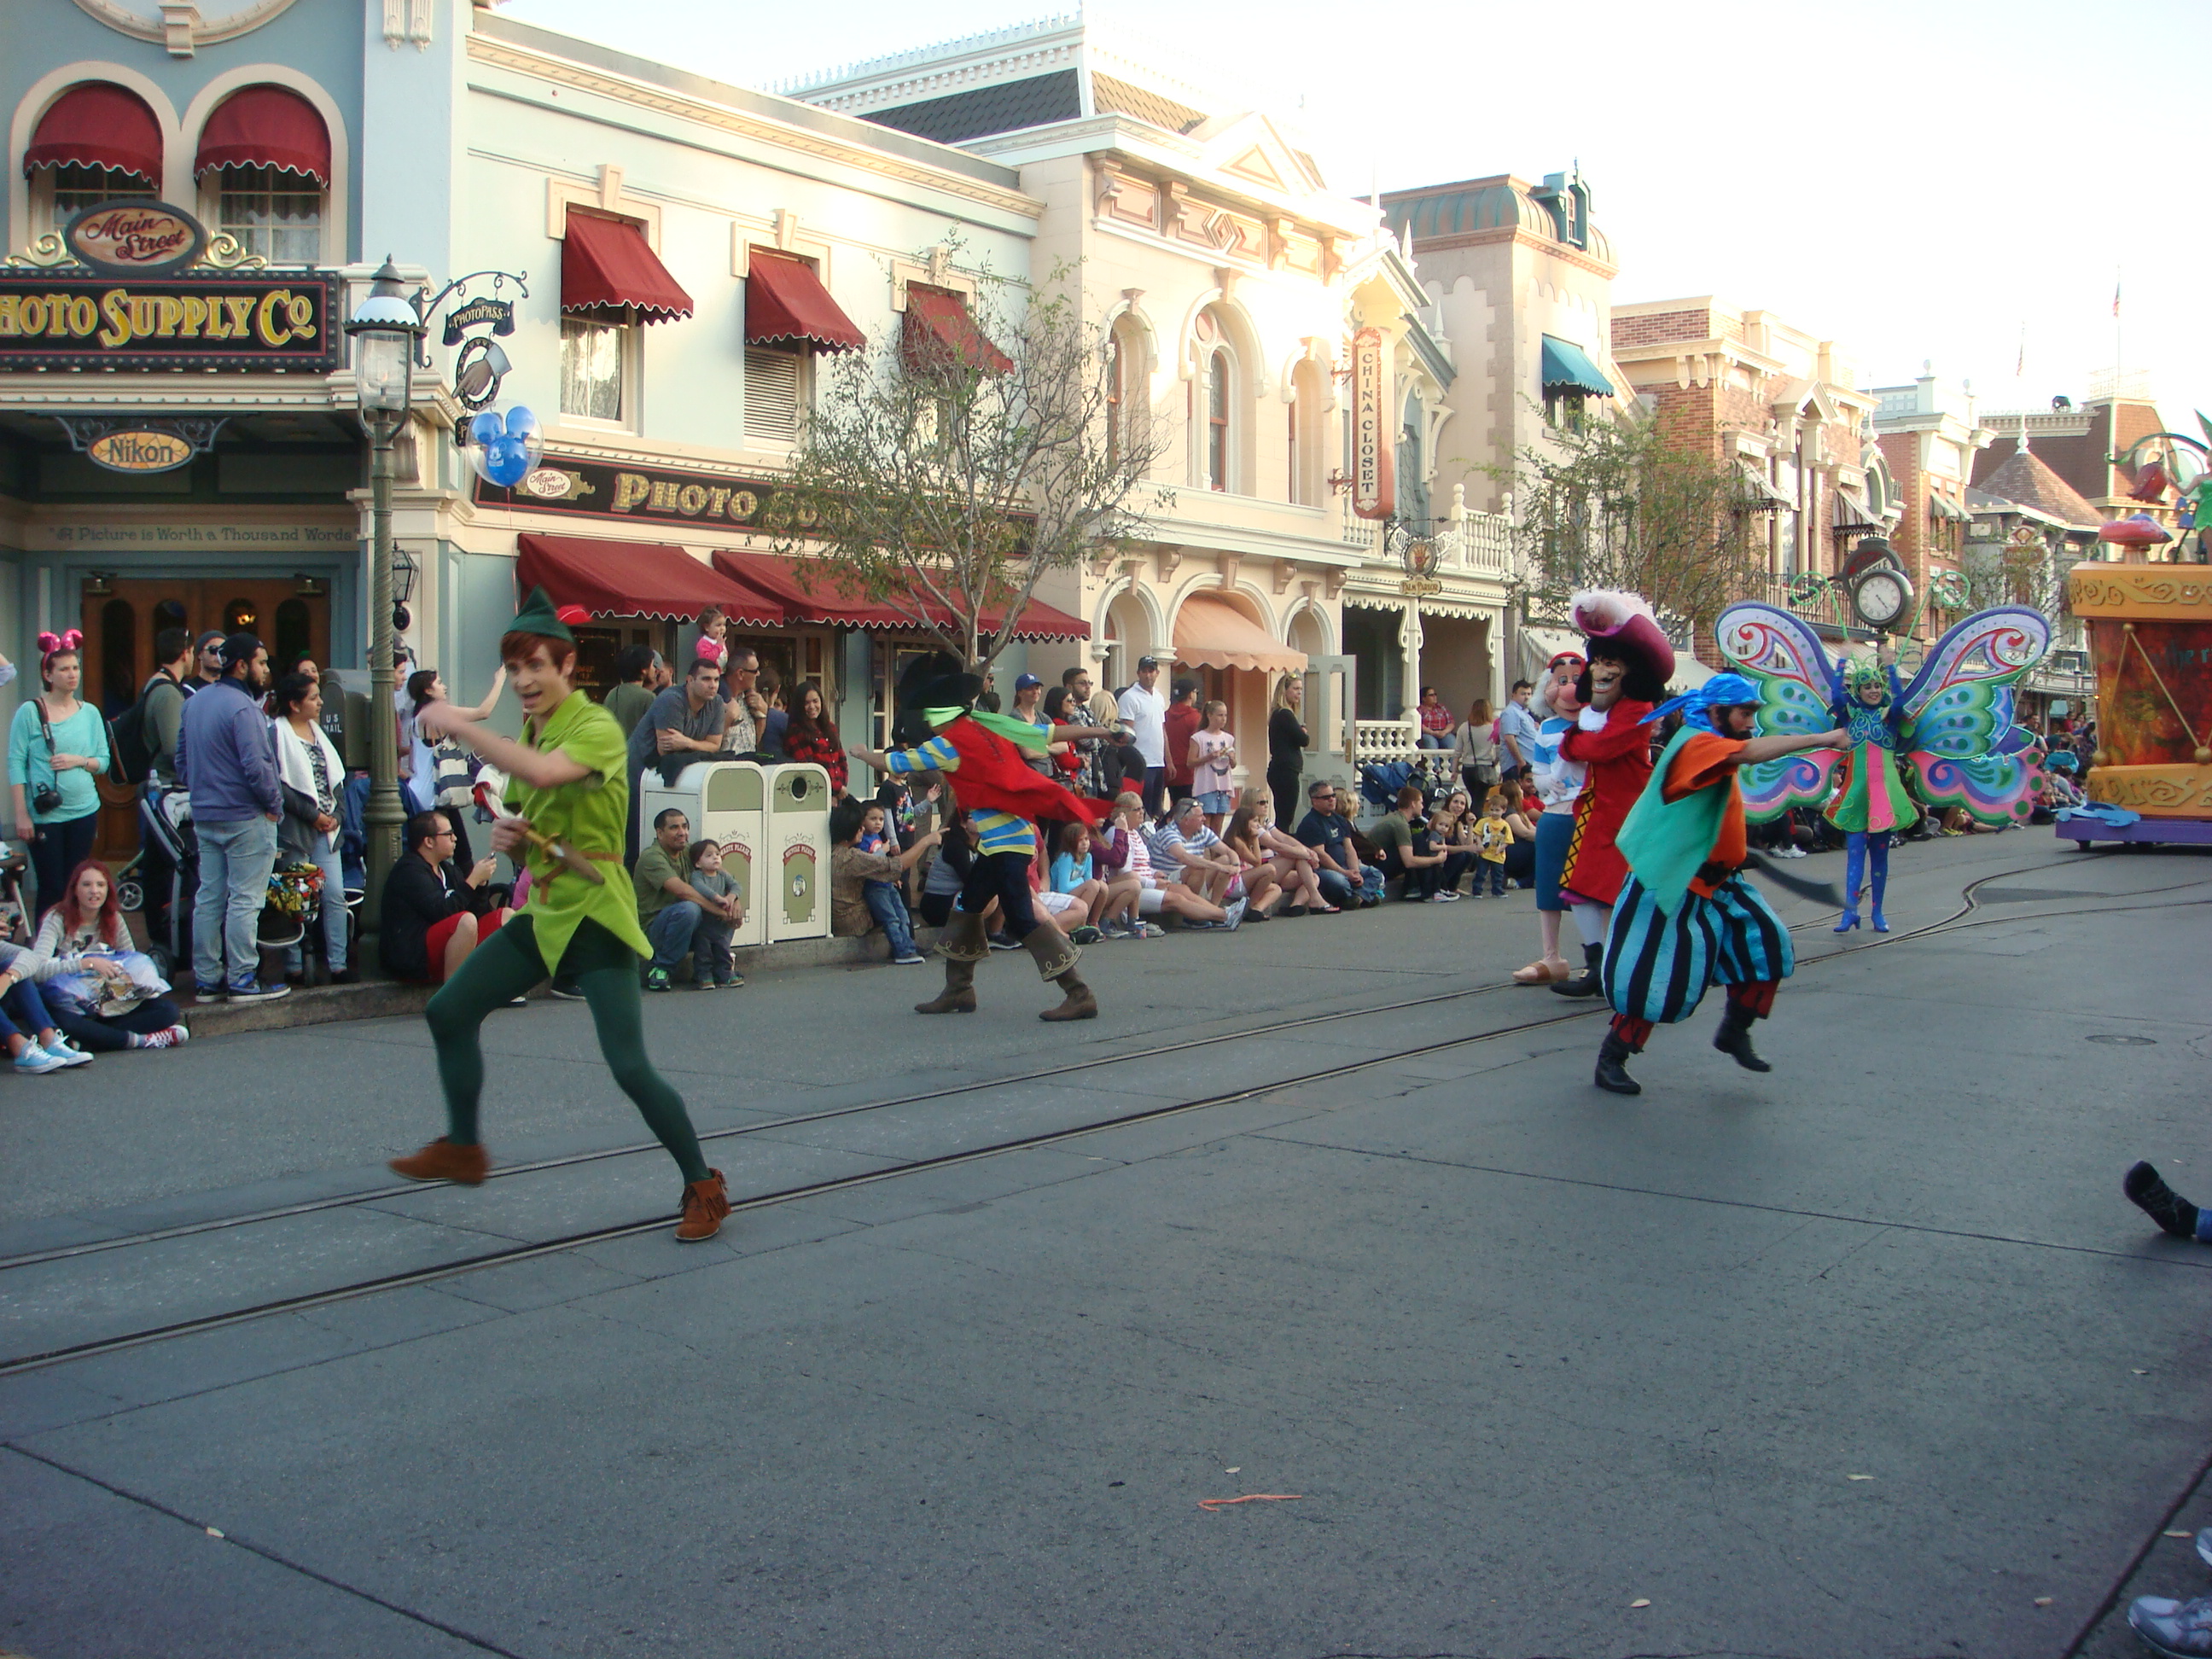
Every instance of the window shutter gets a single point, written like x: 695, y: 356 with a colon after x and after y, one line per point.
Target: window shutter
x: 771, y: 396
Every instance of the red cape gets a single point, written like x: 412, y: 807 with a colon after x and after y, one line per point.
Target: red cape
x: 993, y: 776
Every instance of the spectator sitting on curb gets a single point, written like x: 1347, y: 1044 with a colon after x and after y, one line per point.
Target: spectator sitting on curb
x: 672, y: 910
x: 1295, y: 867
x: 1073, y: 874
x: 85, y: 959
x: 955, y: 853
x: 33, y: 1041
x: 1205, y: 865
x: 434, y: 915
x: 1155, y: 894
x: 865, y: 877
x: 1419, y: 871
x: 714, y: 965
x: 1345, y: 881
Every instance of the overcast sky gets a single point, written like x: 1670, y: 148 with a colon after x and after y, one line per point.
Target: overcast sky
x: 1914, y: 179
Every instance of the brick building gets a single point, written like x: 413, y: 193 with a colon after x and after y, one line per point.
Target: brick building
x: 2081, y: 445
x: 1784, y: 407
x: 1929, y: 438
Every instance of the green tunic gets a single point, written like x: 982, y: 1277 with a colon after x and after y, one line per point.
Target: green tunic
x: 589, y: 816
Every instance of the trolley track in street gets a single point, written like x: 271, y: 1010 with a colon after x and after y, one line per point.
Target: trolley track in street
x: 1960, y: 920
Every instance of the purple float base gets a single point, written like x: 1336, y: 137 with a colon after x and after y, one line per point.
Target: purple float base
x: 2166, y: 831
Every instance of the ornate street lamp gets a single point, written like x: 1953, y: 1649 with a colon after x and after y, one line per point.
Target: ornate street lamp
x: 387, y: 332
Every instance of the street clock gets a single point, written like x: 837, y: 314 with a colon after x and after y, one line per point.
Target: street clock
x: 1882, y: 597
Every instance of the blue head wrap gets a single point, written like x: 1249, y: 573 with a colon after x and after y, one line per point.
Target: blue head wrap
x: 1721, y: 691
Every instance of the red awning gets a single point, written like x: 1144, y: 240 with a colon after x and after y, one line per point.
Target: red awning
x: 941, y: 334
x: 266, y: 126
x: 785, y: 301
x: 606, y: 265
x: 635, y: 578
x: 811, y: 591
x: 98, y: 125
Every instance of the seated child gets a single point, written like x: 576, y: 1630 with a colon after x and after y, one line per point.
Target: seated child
x: 714, y: 967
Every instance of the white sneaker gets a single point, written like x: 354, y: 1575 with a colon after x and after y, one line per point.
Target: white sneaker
x: 1450, y: 896
x: 1235, y: 919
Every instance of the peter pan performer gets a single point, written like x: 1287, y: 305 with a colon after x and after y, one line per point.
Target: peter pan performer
x: 1686, y: 918
x: 568, y: 782
x: 981, y: 754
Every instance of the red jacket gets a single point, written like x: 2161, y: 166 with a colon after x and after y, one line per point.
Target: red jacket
x: 1620, y: 761
x: 993, y: 776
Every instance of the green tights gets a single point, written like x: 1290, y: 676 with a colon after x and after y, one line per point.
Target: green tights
x: 508, y: 964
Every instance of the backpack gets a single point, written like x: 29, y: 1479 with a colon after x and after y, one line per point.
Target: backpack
x: 129, y: 743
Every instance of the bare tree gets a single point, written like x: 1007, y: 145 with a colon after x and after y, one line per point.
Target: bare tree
x: 947, y: 471
x: 1617, y: 503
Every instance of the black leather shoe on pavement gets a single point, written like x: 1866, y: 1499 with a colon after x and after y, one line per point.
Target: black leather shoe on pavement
x: 1590, y: 981
x: 2149, y: 1193
x: 1733, y: 1040
x: 1611, y: 1075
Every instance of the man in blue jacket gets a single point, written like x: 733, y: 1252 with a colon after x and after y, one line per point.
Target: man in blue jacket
x: 226, y: 759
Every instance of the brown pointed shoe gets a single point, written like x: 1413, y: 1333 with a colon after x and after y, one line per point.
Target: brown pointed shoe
x: 446, y: 1160
x: 706, y: 1204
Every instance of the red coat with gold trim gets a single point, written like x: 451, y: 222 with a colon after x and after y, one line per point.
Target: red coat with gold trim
x: 1620, y: 760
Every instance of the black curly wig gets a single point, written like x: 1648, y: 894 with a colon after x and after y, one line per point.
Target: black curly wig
x: 1641, y: 683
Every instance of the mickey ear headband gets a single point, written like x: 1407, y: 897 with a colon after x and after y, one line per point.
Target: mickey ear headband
x: 53, y: 645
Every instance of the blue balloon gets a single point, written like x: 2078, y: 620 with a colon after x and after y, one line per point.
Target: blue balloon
x: 506, y: 461
x: 520, y: 422
x: 486, y: 427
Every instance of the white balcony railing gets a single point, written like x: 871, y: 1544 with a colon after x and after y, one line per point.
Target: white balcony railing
x: 1376, y: 741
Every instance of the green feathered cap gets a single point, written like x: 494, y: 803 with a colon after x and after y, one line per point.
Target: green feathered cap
x: 540, y: 615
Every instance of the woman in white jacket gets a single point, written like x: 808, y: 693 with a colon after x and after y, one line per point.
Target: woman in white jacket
x: 311, y: 774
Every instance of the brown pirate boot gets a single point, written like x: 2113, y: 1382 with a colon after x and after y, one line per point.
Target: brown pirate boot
x: 445, y: 1160
x: 705, y: 1206
x: 1055, y: 958
x: 962, y: 945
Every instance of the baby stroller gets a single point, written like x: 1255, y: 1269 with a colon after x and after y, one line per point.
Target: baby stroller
x: 165, y: 819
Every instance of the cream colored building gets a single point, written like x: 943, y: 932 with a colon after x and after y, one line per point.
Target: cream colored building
x: 1233, y: 280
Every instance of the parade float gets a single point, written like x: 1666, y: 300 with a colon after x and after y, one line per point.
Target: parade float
x: 2150, y: 643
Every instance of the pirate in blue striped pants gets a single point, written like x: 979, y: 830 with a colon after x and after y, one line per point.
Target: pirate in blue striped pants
x: 1686, y: 920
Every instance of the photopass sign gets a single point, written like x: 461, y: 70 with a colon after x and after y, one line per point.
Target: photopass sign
x: 1374, y: 492
x: 258, y: 321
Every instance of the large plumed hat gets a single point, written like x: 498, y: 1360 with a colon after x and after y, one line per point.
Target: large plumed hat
x: 1621, y: 625
x: 931, y: 681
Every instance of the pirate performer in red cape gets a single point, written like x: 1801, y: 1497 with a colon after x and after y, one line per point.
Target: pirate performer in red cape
x: 981, y: 755
x: 1630, y: 662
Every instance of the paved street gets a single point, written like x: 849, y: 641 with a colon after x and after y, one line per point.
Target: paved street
x: 1867, y: 1357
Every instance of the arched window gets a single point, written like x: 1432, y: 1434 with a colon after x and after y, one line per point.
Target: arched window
x: 1220, y: 374
x: 1127, y: 403
x: 96, y: 142
x: 263, y: 167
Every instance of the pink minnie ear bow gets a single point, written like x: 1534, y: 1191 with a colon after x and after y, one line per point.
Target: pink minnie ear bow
x: 70, y: 640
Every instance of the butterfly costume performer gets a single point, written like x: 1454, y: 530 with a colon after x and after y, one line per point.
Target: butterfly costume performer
x: 1950, y: 726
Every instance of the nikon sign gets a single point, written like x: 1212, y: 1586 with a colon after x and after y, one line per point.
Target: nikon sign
x: 258, y: 321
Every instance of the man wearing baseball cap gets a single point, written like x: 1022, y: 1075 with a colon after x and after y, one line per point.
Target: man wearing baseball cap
x: 1146, y: 712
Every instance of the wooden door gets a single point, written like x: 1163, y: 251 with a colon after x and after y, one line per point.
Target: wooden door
x: 121, y: 623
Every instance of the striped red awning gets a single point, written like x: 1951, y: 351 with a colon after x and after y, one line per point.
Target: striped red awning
x: 785, y: 302
x: 265, y: 126
x: 813, y: 591
x: 606, y: 265
x: 609, y: 578
x: 941, y: 335
x: 98, y: 125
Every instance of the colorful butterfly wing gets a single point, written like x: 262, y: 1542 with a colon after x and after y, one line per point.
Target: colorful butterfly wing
x: 1960, y: 703
x: 1772, y: 788
x: 1994, y: 788
x: 1798, y: 686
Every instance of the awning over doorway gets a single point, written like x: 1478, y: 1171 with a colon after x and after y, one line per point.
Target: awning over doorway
x: 636, y: 578
x: 1567, y: 368
x: 786, y: 303
x: 98, y: 125
x: 811, y: 591
x: 265, y: 126
x: 606, y: 265
x: 1210, y: 632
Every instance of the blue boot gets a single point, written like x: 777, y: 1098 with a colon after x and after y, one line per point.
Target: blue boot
x: 1879, y: 860
x: 1855, y: 849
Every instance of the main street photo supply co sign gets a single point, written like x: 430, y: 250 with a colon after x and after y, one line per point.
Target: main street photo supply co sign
x: 243, y: 321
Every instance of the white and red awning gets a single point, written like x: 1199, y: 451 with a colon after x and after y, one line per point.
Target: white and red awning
x: 265, y: 126
x: 98, y: 125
